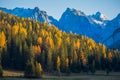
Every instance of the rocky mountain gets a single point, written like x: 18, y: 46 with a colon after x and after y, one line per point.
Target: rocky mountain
x: 34, y: 14
x: 75, y: 21
x: 78, y: 22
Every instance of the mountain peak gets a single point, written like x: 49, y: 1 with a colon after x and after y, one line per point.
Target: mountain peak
x: 74, y: 11
x: 99, y: 16
x: 98, y: 13
x: 68, y: 9
x: 36, y: 9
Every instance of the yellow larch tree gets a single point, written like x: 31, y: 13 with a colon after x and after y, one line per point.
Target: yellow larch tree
x: 37, y: 49
x: 30, y: 26
x: 44, y: 33
x: 8, y: 26
x: 59, y: 42
x: 49, y: 42
x: 77, y: 44
x: 2, y: 40
x: 23, y: 31
x: 39, y: 40
x: 58, y: 64
x: 67, y: 62
x: 68, y: 40
x: 15, y: 29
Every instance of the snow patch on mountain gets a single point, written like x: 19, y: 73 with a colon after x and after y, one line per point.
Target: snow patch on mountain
x: 99, y: 19
x: 99, y: 16
x: 98, y: 22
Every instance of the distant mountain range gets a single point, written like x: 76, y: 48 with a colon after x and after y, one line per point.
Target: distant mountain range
x: 96, y: 26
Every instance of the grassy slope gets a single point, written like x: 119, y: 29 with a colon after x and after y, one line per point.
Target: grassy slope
x: 10, y: 73
x: 100, y: 75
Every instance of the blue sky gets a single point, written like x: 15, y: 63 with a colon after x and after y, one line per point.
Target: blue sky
x: 55, y: 8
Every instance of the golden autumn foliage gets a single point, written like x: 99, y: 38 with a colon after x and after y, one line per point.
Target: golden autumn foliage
x: 82, y: 55
x: 59, y: 34
x: 39, y: 68
x: 3, y: 22
x: 39, y: 40
x: 59, y: 42
x: 8, y: 26
x: 77, y: 44
x: 49, y: 42
x: 38, y: 26
x: 75, y: 57
x: 10, y: 16
x: 68, y: 40
x: 44, y: 33
x: 67, y: 62
x: 103, y: 49
x: 45, y: 24
x: 91, y: 42
x: 104, y: 55
x: 2, y: 40
x: 23, y: 31
x: 24, y: 24
x: 82, y: 37
x: 37, y: 49
x: 30, y: 26
x: 15, y: 29
x: 58, y: 62
x: 90, y: 48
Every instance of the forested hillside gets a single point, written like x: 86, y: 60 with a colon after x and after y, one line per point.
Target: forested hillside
x: 37, y: 47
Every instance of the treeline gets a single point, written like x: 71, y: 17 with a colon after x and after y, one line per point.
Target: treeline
x: 37, y: 47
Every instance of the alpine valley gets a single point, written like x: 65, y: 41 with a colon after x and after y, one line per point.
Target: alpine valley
x: 96, y: 26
